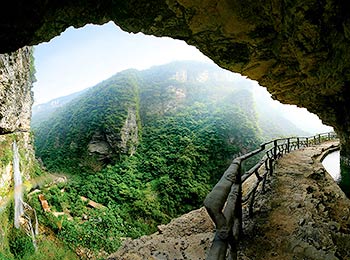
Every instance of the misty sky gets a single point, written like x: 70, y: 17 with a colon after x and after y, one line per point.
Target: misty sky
x: 81, y: 58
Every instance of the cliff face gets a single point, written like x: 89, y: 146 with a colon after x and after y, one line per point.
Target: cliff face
x: 15, y: 91
x: 128, y: 110
x: 15, y: 112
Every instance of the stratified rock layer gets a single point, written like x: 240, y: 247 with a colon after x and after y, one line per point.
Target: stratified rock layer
x: 303, y: 215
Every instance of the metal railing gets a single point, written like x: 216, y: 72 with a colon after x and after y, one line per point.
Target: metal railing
x: 224, y: 202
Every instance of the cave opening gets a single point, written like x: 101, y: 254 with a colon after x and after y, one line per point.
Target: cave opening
x: 121, y: 52
x: 298, y: 52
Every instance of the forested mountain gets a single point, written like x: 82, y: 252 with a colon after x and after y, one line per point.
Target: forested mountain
x: 42, y: 112
x: 148, y: 144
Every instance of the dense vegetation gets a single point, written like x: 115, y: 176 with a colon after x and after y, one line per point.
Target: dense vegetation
x: 190, y: 119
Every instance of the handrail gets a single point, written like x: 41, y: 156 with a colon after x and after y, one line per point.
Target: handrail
x: 224, y: 202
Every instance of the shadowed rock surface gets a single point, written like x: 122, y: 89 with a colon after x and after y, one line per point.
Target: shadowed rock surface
x: 303, y: 215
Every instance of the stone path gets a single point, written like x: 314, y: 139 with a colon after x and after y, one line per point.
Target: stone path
x: 303, y: 215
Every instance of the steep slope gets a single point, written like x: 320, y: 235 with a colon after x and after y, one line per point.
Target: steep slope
x: 105, y: 119
x: 90, y: 127
x: 42, y: 112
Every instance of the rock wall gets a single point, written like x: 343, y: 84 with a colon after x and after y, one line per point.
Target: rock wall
x: 15, y: 91
x: 16, y: 76
x: 106, y: 145
x: 130, y: 133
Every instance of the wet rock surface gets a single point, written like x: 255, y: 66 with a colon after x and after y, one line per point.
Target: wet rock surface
x: 302, y: 215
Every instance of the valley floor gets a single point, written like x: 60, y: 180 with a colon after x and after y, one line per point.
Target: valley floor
x: 303, y: 215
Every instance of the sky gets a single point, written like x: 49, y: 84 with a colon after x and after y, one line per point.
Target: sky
x: 81, y: 58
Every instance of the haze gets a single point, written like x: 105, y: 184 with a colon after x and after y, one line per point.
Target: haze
x: 81, y: 58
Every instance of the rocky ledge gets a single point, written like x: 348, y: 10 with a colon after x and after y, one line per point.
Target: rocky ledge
x: 186, y: 237
x: 303, y: 215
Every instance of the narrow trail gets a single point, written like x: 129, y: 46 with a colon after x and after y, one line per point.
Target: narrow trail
x: 302, y: 215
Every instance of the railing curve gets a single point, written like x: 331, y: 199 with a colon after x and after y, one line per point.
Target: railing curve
x: 224, y: 202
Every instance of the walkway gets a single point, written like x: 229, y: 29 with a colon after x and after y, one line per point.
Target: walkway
x: 303, y: 215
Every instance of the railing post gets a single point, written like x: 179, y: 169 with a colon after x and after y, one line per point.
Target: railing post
x: 224, y: 206
x: 271, y: 166
x: 265, y: 176
x: 298, y: 144
x: 238, y: 224
x: 236, y: 217
x: 224, y: 202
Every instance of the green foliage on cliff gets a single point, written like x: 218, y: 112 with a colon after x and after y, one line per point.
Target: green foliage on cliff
x: 6, y: 153
x: 15, y: 244
x: 61, y: 141
x: 20, y: 243
x: 5, y: 227
x: 190, y: 120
